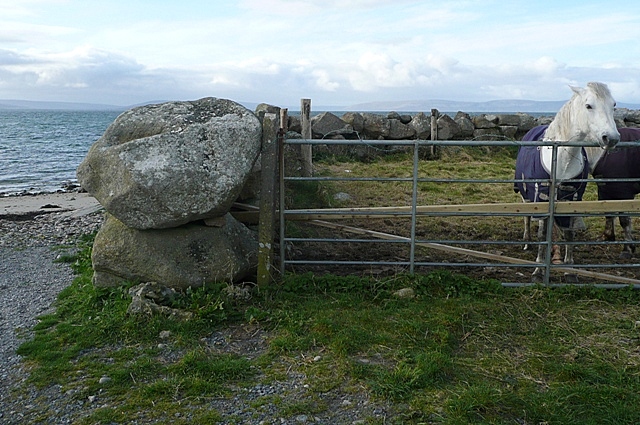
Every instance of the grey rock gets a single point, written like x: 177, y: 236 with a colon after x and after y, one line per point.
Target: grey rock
x: 526, y: 123
x: 376, y: 126
x: 464, y: 122
x: 393, y: 115
x: 265, y: 108
x: 509, y: 131
x: 485, y: 121
x: 633, y: 116
x: 405, y: 293
x: 399, y: 131
x: 189, y: 255
x: 161, y: 166
x: 150, y: 298
x: 355, y: 120
x: 448, y: 129
x: 326, y: 123
x: 294, y: 124
x: 508, y: 120
x: 487, y: 133
x: 544, y: 120
x: 421, y: 123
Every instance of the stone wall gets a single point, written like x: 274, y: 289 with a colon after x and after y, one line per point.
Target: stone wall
x: 461, y: 126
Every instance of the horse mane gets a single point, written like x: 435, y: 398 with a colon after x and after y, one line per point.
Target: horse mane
x: 601, y: 90
x: 563, y: 123
x: 559, y: 127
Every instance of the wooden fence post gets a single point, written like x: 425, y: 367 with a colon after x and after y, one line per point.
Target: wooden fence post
x: 306, y: 152
x: 433, y: 154
x: 284, y: 119
x: 266, y: 226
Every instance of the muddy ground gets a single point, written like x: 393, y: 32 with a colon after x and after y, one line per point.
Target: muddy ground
x: 486, y: 234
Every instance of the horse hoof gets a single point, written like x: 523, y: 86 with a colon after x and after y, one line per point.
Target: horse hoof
x: 570, y: 278
x: 625, y: 255
x: 536, y: 278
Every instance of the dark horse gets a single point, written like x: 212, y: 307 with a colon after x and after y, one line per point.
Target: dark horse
x: 619, y: 163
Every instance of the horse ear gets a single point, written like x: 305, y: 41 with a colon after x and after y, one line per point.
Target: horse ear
x: 577, y: 90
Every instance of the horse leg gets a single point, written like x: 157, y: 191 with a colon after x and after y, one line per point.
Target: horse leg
x: 527, y: 232
x: 526, y: 236
x: 542, y: 236
x: 556, y: 252
x: 609, y: 233
x: 569, y: 237
x: 627, y: 227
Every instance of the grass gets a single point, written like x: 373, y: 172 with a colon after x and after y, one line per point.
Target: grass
x: 462, y: 351
x: 456, y: 163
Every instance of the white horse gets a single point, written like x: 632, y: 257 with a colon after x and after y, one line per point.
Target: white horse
x: 588, y: 117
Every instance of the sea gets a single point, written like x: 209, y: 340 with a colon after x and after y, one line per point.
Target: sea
x: 41, y: 149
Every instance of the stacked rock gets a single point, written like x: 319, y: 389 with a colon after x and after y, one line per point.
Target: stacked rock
x: 167, y: 176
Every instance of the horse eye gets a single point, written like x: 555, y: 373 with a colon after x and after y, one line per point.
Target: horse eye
x: 589, y: 106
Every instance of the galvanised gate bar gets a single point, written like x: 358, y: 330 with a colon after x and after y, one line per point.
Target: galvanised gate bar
x: 326, y: 218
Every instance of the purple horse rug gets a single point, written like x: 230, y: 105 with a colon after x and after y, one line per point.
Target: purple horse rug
x: 620, y: 163
x: 529, y: 165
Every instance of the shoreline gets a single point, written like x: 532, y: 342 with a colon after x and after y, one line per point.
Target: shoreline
x: 73, y: 203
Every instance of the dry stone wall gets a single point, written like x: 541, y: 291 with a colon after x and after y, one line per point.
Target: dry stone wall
x: 461, y: 126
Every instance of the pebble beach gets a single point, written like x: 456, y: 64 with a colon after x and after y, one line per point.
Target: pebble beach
x: 34, y: 231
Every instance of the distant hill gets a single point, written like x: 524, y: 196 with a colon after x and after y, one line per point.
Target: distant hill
x: 29, y: 104
x: 77, y: 106
x: 506, y: 105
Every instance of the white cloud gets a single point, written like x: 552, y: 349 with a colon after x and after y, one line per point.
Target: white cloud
x: 546, y: 65
x: 31, y: 34
x: 324, y: 82
x: 335, y: 51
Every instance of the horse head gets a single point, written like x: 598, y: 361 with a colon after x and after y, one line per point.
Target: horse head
x: 592, y: 115
x: 587, y: 116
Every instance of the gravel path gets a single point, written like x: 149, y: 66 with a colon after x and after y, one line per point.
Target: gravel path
x: 30, y: 282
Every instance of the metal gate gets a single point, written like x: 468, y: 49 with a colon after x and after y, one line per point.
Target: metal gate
x: 326, y: 218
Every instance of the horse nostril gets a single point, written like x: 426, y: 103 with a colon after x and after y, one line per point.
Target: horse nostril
x: 609, y: 141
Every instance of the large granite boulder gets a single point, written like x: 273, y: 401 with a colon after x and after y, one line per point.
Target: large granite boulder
x: 448, y: 129
x: 326, y: 124
x: 399, y: 131
x: 421, y: 123
x: 375, y: 126
x: 464, y: 122
x: 164, y: 165
x: 355, y: 120
x: 527, y: 122
x: 189, y: 255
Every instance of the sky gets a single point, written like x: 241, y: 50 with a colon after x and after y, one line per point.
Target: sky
x: 334, y: 52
